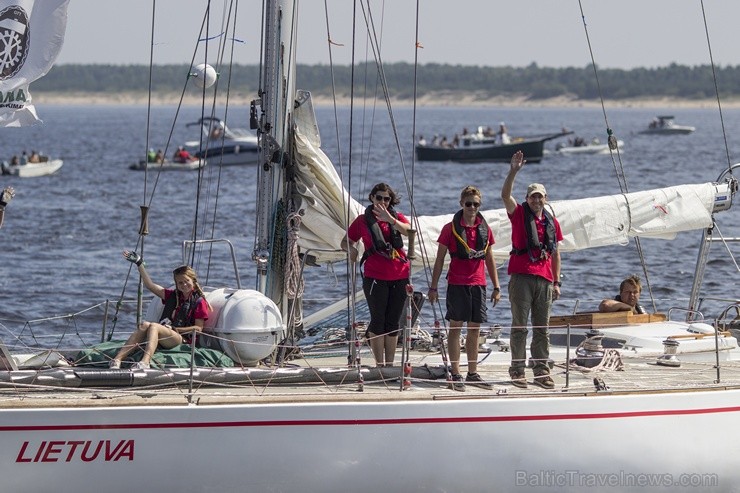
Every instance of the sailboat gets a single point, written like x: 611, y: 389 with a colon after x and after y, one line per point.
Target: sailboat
x: 323, y: 424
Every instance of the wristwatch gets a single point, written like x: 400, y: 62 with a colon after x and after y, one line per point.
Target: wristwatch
x: 557, y: 283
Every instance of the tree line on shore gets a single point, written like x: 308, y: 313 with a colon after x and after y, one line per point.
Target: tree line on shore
x: 533, y: 81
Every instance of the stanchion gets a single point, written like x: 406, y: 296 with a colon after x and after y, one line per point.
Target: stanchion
x: 439, y: 334
x: 357, y: 363
x: 406, y: 346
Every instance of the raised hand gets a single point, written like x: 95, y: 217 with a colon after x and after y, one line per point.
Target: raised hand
x: 517, y: 161
x: 6, y: 196
x: 133, y: 257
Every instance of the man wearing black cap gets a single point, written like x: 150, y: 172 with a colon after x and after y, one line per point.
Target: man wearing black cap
x: 534, y: 270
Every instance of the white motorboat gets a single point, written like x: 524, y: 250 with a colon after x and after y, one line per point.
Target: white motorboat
x: 665, y: 125
x: 222, y: 145
x: 323, y: 424
x: 593, y: 147
x: 32, y: 169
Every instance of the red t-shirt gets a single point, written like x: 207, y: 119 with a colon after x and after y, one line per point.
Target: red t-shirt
x: 522, y: 264
x: 379, y: 266
x: 464, y: 272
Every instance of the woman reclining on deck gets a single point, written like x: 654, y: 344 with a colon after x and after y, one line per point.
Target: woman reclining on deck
x: 185, y: 311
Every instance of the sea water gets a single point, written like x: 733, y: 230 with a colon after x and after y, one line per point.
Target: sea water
x: 63, y: 234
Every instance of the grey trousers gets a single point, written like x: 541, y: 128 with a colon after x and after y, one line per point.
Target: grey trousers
x: 530, y: 294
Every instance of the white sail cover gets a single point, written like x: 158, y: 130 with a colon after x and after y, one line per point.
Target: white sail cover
x: 31, y: 36
x: 586, y: 223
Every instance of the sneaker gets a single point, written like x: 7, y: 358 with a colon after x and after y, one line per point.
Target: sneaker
x: 475, y: 380
x: 518, y: 379
x: 544, y: 381
x: 457, y: 383
x: 140, y: 366
x: 114, y: 364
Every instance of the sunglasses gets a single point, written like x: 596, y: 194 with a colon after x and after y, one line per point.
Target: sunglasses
x: 384, y: 198
x: 472, y: 204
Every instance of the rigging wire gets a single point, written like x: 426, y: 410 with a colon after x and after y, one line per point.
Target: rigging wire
x: 351, y: 269
x: 716, y: 88
x: 213, y: 190
x: 364, y: 182
x: 618, y: 168
x: 149, y: 196
x: 354, y: 353
x: 420, y: 237
x: 386, y: 93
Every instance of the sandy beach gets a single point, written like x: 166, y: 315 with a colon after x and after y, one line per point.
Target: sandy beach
x: 463, y: 99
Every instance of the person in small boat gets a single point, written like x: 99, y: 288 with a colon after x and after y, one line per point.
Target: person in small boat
x: 185, y: 312
x: 35, y: 158
x: 384, y: 268
x: 422, y: 140
x: 14, y: 161
x: 534, y: 270
x: 182, y: 155
x: 24, y: 158
x: 502, y: 136
x: 5, y: 197
x: 469, y: 241
x: 628, y: 298
x: 159, y: 157
x: 576, y: 142
x: 151, y: 156
x: 217, y: 132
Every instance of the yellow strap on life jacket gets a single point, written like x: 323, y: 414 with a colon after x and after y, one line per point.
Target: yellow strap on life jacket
x: 465, y: 242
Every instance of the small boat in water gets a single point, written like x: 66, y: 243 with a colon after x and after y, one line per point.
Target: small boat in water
x: 168, y: 165
x: 223, y: 145
x: 43, y: 166
x: 583, y: 147
x: 480, y: 147
x: 664, y: 125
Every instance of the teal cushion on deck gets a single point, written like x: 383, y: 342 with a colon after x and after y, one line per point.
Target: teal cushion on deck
x: 178, y: 356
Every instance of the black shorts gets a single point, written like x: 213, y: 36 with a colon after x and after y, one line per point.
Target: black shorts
x: 466, y: 303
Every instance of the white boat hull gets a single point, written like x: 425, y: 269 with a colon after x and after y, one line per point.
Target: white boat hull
x: 486, y: 444
x: 34, y: 170
x: 672, y: 130
x: 232, y: 155
x: 588, y: 149
x: 168, y: 166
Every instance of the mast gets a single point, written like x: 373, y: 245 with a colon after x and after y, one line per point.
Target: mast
x: 273, y: 123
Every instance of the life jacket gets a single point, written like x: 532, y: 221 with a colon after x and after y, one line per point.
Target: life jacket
x: 481, y: 242
x: 390, y: 250
x: 185, y: 314
x: 548, y: 246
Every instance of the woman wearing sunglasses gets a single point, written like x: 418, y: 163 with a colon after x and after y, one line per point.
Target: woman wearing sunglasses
x: 384, y: 268
x: 185, y: 312
x: 469, y: 241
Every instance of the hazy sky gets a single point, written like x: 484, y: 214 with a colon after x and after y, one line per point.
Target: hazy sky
x: 623, y: 33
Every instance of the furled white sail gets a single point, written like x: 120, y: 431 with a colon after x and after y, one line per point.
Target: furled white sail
x: 32, y: 33
x: 586, y: 223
